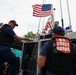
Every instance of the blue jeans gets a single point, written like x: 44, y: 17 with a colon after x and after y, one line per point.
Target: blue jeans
x: 6, y: 55
x: 49, y: 73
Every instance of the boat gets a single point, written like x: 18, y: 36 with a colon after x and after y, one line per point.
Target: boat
x: 29, y: 51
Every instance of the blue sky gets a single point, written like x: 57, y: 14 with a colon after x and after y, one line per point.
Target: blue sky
x: 21, y: 11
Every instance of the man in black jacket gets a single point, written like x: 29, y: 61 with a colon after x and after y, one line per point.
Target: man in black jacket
x: 7, y: 36
x: 57, y: 54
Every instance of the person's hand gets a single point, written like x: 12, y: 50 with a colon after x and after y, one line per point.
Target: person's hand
x: 27, y: 39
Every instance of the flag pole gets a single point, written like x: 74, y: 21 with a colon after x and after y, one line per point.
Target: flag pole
x: 61, y: 15
x: 44, y: 1
x: 69, y: 14
x: 53, y: 16
x: 38, y: 35
x: 39, y: 25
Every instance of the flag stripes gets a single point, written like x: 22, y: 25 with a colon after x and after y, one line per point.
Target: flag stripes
x: 41, y: 10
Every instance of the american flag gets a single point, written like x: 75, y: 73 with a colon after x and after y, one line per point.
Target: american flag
x: 49, y: 23
x: 42, y: 10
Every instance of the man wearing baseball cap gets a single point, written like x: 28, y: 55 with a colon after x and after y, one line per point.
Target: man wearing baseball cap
x: 7, y: 36
x: 56, y: 55
x: 14, y: 22
x: 58, y: 31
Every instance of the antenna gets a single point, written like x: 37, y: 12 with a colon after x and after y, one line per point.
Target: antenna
x: 61, y: 15
x: 69, y: 14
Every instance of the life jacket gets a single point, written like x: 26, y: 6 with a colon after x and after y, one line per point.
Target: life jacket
x: 60, y: 57
x: 5, y: 38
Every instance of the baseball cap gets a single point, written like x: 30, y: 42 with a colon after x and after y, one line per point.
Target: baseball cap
x: 14, y: 22
x: 58, y: 30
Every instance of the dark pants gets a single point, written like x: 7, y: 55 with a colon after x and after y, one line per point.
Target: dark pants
x: 6, y: 55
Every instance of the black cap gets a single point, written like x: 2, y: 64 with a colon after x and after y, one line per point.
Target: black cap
x: 58, y: 30
x: 14, y: 22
